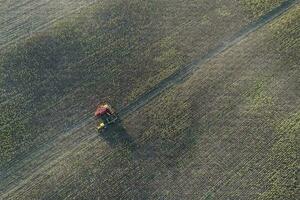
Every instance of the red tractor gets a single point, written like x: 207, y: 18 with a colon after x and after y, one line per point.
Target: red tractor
x: 105, y: 116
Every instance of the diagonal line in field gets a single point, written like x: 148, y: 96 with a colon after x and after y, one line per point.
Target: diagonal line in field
x: 183, y: 73
x: 188, y: 70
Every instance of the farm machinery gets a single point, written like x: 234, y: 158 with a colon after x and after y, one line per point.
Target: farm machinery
x: 105, y: 116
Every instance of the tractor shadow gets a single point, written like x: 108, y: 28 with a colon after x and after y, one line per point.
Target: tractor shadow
x: 117, y: 136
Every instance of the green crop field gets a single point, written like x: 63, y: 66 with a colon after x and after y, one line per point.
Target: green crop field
x: 227, y: 131
x: 55, y: 77
x: 242, y: 111
x: 20, y: 19
x: 259, y: 7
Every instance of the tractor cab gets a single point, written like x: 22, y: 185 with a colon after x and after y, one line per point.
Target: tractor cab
x: 105, y: 116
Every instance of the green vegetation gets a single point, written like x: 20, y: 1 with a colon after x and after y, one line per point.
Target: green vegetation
x: 106, y: 53
x: 227, y: 132
x: 283, y: 176
x: 20, y: 18
x: 244, y: 103
x: 260, y: 99
x: 169, y: 59
x: 258, y: 7
x: 170, y: 132
x: 114, y: 51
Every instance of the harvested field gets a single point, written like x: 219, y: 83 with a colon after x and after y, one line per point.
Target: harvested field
x: 216, y: 134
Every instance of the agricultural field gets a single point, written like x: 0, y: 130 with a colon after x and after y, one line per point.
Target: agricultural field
x: 226, y: 130
x: 22, y: 18
x: 56, y: 77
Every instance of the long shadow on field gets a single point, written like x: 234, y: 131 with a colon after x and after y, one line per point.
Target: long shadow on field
x: 117, y: 135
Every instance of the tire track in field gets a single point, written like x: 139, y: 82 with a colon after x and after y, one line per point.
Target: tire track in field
x: 16, y: 96
x: 138, y: 102
x: 176, y: 78
x: 84, y: 59
x: 225, y: 110
x: 188, y: 70
x: 27, y: 116
x: 85, y: 116
x: 37, y: 179
x: 177, y: 28
x: 100, y: 59
x: 83, y: 149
